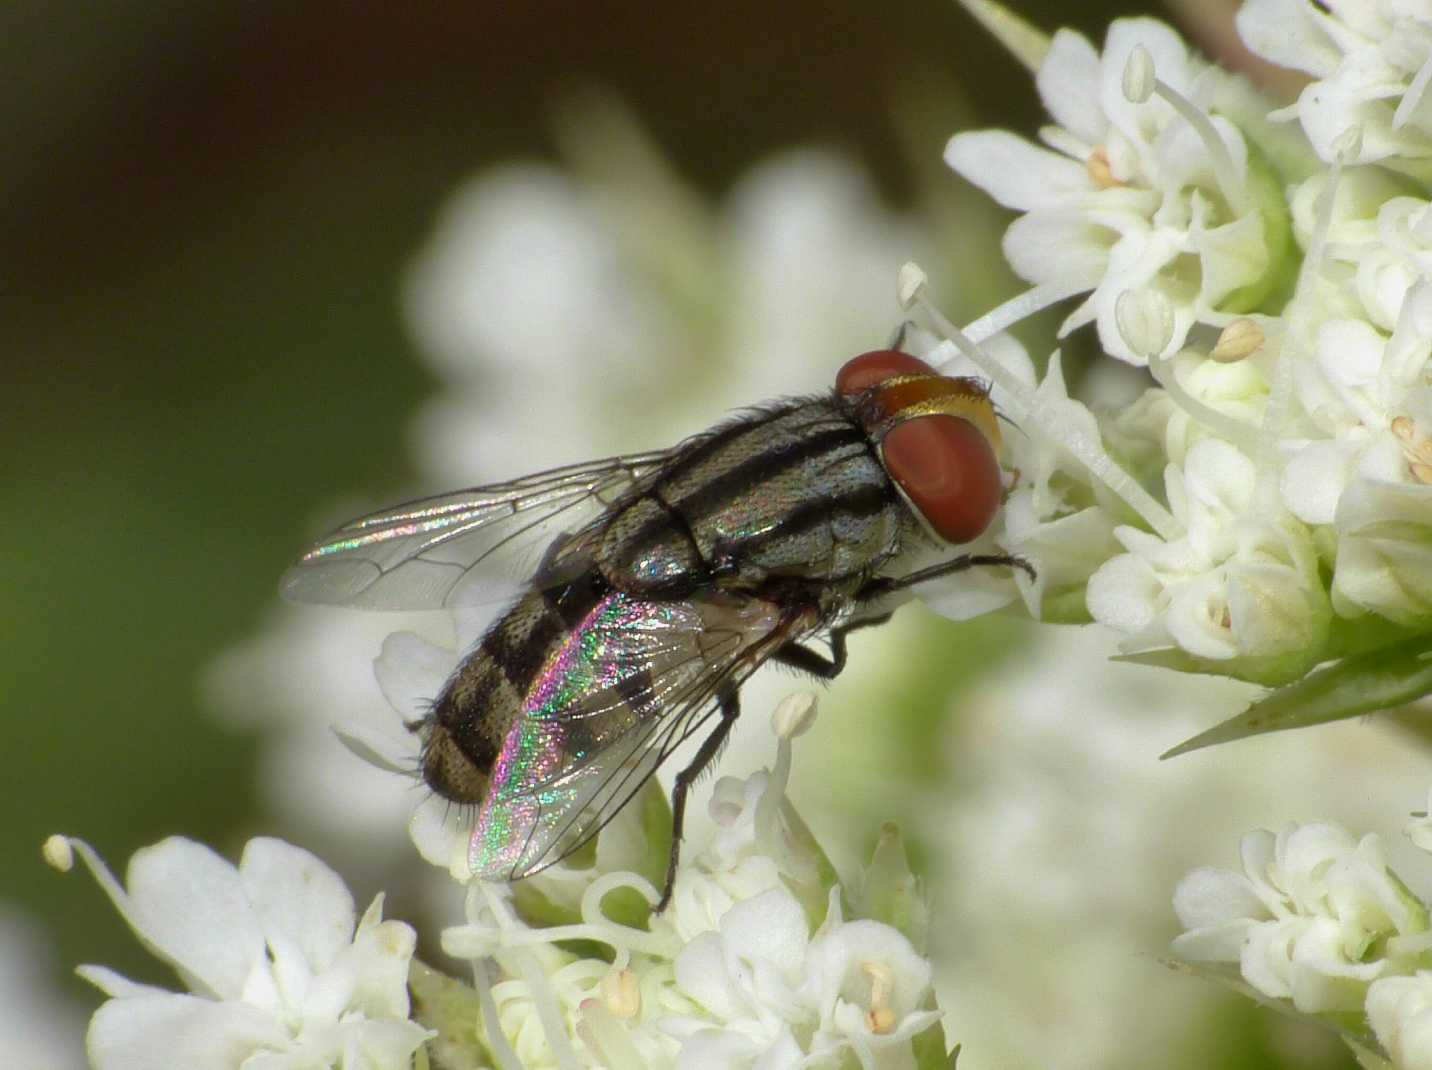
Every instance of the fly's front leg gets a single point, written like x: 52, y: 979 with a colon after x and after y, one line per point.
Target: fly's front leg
x: 808, y: 660
x: 897, y: 338
x: 883, y: 585
x: 730, y: 710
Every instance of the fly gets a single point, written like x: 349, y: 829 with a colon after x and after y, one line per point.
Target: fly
x: 662, y: 581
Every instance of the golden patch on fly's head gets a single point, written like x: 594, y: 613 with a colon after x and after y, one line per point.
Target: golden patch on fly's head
x: 904, y: 397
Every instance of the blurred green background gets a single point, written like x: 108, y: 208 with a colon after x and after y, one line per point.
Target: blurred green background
x: 205, y: 210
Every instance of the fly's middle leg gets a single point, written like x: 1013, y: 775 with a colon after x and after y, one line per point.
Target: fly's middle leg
x: 710, y: 747
x: 817, y: 664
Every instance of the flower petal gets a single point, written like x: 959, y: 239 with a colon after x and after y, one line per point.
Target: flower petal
x: 300, y: 902
x: 197, y: 1034
x: 1015, y: 172
x: 1068, y: 82
x: 188, y: 906
x: 411, y: 671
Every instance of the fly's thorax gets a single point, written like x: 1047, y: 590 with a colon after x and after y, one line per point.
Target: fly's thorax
x: 794, y: 491
x: 647, y: 548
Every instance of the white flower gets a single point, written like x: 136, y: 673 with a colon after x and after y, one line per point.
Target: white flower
x: 1384, y: 520
x: 1400, y: 1012
x: 40, y: 1027
x: 1315, y: 917
x: 1051, y: 820
x: 1371, y: 61
x: 1234, y: 585
x: 627, y: 316
x: 1132, y: 196
x: 730, y: 975
x: 307, y: 670
x: 278, y: 976
x: 762, y: 980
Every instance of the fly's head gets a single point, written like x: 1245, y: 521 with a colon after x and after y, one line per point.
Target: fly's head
x: 936, y: 435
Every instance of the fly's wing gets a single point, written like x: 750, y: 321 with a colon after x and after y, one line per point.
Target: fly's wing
x: 633, y: 682
x: 462, y: 548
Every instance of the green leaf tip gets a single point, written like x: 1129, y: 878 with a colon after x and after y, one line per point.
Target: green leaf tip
x: 1025, y: 41
x: 1364, y: 683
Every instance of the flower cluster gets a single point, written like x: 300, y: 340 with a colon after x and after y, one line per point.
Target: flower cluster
x: 762, y: 957
x: 280, y: 972
x: 1319, y: 921
x: 1266, y: 504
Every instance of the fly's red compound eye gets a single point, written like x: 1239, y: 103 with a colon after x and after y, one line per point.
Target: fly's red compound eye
x: 860, y: 373
x: 948, y: 470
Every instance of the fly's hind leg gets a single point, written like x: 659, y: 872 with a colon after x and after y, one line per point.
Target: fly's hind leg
x: 808, y: 660
x: 710, y: 747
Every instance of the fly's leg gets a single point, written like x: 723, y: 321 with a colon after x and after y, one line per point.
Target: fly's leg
x: 883, y: 585
x: 897, y: 340
x: 730, y: 710
x: 808, y: 660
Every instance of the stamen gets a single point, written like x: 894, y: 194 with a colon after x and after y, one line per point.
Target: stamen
x: 1145, y: 321
x: 549, y: 1014
x: 792, y: 711
x: 1140, y: 83
x: 911, y: 287
x: 1021, y: 306
x: 1242, y: 435
x: 1241, y: 338
x: 496, y: 1041
x: 1407, y: 106
x: 611, y: 932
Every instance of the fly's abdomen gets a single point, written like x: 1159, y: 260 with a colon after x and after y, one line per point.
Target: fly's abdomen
x: 797, y: 491
x: 464, y: 733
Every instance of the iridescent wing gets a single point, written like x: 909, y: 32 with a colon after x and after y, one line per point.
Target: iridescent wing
x: 631, y: 683
x: 463, y: 548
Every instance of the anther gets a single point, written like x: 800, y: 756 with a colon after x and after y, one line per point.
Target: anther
x: 910, y: 284
x: 58, y: 853
x: 1241, y: 338
x: 794, y: 715
x: 1140, y: 83
x: 1145, y: 321
x: 1100, y: 172
x: 1417, y: 451
x: 1139, y: 80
